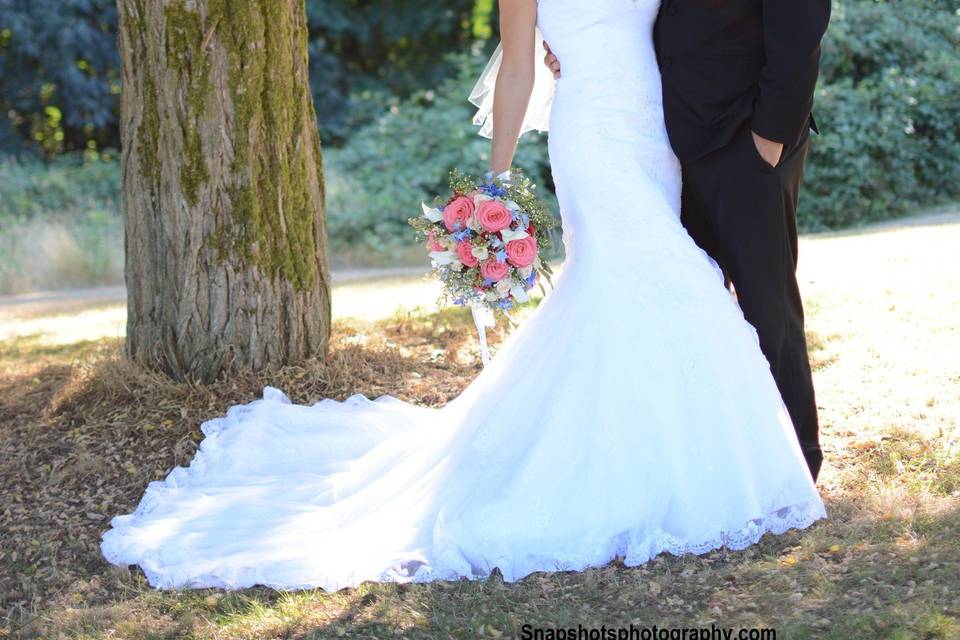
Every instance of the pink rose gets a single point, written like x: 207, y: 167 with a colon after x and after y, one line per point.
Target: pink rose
x: 432, y: 243
x: 522, y: 253
x: 458, y: 210
x: 493, y: 270
x: 493, y: 216
x: 465, y: 253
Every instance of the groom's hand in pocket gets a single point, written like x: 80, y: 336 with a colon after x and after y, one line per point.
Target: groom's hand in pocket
x: 551, y: 61
x: 769, y: 150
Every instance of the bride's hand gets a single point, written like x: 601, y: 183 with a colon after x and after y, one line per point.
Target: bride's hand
x: 551, y: 61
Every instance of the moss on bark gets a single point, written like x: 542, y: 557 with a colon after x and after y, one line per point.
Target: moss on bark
x: 148, y: 132
x: 272, y: 218
x: 185, y: 55
x: 270, y: 221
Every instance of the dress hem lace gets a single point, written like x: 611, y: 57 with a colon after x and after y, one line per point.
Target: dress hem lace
x: 118, y: 551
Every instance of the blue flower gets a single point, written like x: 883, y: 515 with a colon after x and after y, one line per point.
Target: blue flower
x: 463, y: 235
x: 487, y: 282
x: 506, y: 304
x: 491, y: 189
x: 501, y: 255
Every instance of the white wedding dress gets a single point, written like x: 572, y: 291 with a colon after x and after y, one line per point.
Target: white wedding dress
x: 632, y: 414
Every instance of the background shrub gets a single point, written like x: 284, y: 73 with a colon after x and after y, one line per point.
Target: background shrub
x: 394, y: 119
x: 60, y: 78
x: 60, y: 224
x: 889, y: 109
x: 377, y: 181
x: 59, y: 75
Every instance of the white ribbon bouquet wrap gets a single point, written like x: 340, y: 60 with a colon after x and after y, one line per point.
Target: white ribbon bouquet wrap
x: 483, y: 318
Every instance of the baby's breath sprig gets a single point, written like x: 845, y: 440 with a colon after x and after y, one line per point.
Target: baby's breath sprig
x: 461, y: 183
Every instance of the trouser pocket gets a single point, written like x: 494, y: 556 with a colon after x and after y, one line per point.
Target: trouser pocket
x: 746, y: 136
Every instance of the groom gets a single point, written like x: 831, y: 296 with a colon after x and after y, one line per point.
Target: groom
x: 738, y: 82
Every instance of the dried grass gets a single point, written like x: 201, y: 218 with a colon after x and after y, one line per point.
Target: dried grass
x: 81, y: 439
x: 82, y: 432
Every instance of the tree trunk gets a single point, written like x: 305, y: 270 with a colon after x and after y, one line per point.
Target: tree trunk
x: 223, y: 187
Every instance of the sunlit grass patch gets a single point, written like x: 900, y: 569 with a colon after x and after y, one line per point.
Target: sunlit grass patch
x: 822, y: 350
x: 904, y: 456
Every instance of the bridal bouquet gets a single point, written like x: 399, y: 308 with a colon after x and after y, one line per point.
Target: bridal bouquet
x: 485, y: 240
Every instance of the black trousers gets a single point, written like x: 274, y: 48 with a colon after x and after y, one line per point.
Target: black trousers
x: 743, y: 212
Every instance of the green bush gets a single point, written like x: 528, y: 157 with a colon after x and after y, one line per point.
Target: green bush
x: 59, y: 75
x: 366, y: 56
x: 888, y: 104
x: 32, y: 188
x: 60, y: 224
x: 377, y: 181
x: 60, y: 71
x: 889, y: 109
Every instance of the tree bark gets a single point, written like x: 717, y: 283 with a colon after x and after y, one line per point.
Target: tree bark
x: 223, y: 187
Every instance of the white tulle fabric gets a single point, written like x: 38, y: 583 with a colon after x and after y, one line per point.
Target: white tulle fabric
x: 632, y: 414
x: 537, y: 117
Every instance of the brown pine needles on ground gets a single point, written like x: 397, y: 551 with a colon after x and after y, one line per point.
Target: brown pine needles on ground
x: 82, y: 438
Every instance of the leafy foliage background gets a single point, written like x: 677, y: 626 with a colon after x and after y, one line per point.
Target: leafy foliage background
x: 889, y: 108
x: 390, y: 82
x: 364, y: 55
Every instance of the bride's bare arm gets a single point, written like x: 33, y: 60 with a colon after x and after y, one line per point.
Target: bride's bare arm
x: 518, y: 23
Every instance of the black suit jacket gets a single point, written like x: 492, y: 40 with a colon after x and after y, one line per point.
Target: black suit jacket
x: 727, y: 61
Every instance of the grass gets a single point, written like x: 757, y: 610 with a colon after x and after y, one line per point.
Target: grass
x: 61, y: 227
x: 60, y: 224
x: 82, y: 432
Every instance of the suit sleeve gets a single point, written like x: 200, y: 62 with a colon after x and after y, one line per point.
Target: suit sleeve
x: 792, y: 31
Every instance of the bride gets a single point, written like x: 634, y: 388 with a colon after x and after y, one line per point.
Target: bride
x: 632, y: 414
